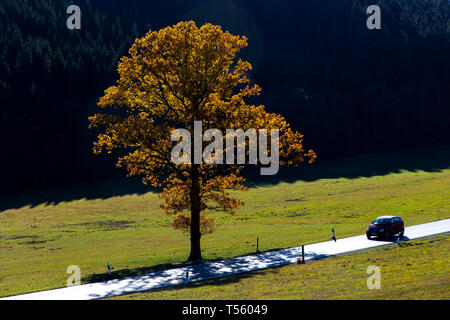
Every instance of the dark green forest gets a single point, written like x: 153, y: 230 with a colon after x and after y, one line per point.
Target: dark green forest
x: 350, y: 90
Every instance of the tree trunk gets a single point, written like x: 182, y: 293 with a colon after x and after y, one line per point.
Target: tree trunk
x: 196, y: 253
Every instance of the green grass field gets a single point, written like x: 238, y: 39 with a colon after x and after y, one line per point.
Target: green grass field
x: 419, y: 269
x: 131, y: 232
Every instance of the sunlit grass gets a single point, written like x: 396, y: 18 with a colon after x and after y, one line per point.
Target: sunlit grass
x: 133, y: 234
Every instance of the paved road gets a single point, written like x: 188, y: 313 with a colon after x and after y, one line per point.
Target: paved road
x: 224, y: 268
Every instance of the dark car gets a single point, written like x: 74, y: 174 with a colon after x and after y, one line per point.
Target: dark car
x: 385, y: 227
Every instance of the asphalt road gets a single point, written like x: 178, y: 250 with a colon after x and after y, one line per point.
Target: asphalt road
x: 224, y: 268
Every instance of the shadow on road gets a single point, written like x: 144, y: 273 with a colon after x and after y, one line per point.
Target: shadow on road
x: 394, y: 239
x: 216, y: 282
x: 212, y: 272
x: 123, y: 273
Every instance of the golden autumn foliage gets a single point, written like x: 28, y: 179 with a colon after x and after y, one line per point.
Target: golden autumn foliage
x: 171, y: 78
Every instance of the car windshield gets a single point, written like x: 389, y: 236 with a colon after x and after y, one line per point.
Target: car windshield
x: 380, y: 221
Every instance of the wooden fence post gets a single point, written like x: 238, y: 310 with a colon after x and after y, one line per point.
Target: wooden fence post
x: 303, y: 254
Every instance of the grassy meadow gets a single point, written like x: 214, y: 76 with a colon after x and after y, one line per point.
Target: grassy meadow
x: 43, y: 233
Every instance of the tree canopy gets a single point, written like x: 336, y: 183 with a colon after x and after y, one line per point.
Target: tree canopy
x: 171, y: 79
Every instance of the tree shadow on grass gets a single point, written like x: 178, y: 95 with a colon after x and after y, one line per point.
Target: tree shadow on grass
x: 88, y: 191
x: 429, y: 160
x: 367, y: 165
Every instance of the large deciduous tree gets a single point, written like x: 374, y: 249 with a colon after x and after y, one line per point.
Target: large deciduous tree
x: 172, y: 78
